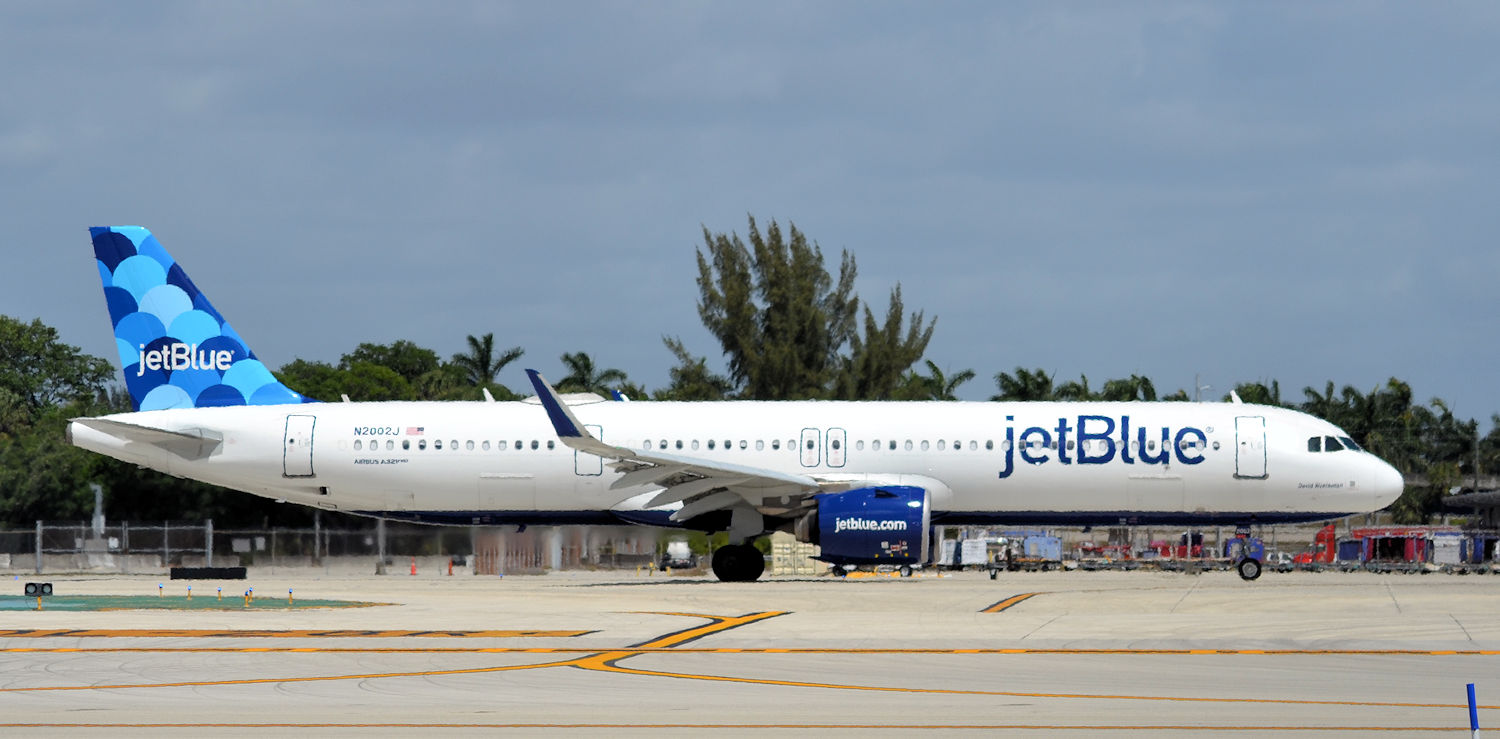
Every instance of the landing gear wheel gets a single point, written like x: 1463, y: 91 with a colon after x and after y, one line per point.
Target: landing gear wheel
x: 1248, y: 568
x: 738, y: 563
x: 906, y: 570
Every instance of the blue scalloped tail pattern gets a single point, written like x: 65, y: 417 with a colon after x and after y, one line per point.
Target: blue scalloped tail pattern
x: 176, y: 350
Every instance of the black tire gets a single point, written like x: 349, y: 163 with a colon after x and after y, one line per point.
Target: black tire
x: 906, y: 570
x: 1249, y: 568
x: 738, y: 563
x: 994, y: 573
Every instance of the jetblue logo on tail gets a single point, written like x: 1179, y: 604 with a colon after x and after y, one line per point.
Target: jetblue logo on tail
x: 181, y: 357
x: 175, y: 349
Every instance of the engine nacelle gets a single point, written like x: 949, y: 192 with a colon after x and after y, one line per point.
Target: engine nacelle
x: 870, y: 526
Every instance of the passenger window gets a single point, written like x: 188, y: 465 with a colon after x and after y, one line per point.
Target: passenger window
x: 775, y: 445
x: 695, y: 444
x: 859, y: 446
x: 469, y: 446
x: 989, y: 445
x: 422, y: 445
x: 647, y: 445
x: 453, y: 445
x: 357, y: 445
x: 908, y: 444
x: 679, y: 443
x: 811, y: 444
x: 728, y: 445
x: 534, y: 444
x: 835, y: 444
x: 520, y: 445
x: 760, y: 445
x: 437, y: 443
x: 942, y: 445
x: 1216, y: 446
x: 663, y: 444
x: 551, y: 444
x: 1151, y: 445
x: 1070, y: 445
x: 892, y: 445
x: 710, y: 443
x: 1315, y: 444
x: 1331, y: 444
x: 486, y: 445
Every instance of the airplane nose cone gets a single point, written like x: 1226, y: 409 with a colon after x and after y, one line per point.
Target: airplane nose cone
x: 1389, y: 484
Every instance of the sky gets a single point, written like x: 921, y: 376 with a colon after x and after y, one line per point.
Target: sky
x: 1195, y: 192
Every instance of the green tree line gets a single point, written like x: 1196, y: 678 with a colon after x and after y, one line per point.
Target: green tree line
x: 788, y: 327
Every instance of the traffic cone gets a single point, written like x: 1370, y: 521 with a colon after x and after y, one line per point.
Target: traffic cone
x: 413, y: 565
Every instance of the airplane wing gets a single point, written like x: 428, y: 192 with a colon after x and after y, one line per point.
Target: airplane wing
x: 191, y: 444
x: 701, y: 485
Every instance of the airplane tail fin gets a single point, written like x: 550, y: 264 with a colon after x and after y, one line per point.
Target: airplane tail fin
x: 175, y: 349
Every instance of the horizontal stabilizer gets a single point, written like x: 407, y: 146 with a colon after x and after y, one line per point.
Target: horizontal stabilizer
x: 191, y: 444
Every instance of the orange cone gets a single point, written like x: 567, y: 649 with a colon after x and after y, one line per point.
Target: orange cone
x: 413, y: 565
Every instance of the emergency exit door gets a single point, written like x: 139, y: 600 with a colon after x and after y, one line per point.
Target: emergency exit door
x: 809, y: 450
x: 585, y: 464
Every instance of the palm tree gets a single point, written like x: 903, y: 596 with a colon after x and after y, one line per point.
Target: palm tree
x: 584, y: 377
x: 1134, y: 387
x: 1024, y: 385
x: 1259, y: 393
x: 479, y: 364
x: 1076, y: 390
x: 935, y: 385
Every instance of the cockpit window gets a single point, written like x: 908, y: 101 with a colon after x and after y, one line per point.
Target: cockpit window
x: 1331, y: 444
x: 1315, y: 444
x: 1349, y: 443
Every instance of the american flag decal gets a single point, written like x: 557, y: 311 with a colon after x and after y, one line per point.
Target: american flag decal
x: 414, y: 430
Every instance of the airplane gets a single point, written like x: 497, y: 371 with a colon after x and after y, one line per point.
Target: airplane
x: 866, y: 481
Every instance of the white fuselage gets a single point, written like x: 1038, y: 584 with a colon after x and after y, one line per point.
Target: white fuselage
x: 1060, y: 463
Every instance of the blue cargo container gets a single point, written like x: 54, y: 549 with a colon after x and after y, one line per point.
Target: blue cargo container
x: 1047, y: 548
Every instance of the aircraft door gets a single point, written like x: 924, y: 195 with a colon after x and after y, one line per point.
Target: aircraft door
x: 808, y: 449
x: 296, y: 460
x: 585, y: 464
x: 1250, y: 447
x: 837, y: 443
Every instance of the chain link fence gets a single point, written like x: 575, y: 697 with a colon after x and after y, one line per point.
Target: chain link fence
x: 155, y: 547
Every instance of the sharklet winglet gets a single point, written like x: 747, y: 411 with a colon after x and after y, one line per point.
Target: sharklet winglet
x: 563, y: 421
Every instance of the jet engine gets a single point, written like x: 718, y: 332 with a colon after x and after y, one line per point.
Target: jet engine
x: 870, y: 526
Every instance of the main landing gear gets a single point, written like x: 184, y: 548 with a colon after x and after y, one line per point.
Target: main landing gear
x: 738, y: 563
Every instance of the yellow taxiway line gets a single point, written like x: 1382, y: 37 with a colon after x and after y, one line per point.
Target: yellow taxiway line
x: 608, y: 661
